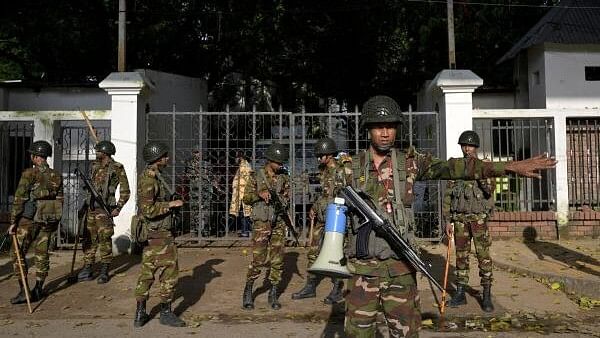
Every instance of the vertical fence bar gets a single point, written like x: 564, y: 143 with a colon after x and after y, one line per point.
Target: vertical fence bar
x: 227, y: 132
x: 356, y: 130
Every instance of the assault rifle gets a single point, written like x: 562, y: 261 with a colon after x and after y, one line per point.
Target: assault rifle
x: 96, y: 197
x: 280, y: 209
x: 359, y: 203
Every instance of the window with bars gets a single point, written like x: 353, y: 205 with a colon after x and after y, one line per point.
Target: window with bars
x: 514, y: 140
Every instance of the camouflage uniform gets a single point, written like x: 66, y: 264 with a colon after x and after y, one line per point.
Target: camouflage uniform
x: 99, y: 228
x: 331, y: 180
x: 468, y: 205
x: 268, y: 236
x: 384, y: 281
x: 42, y: 186
x: 161, y: 252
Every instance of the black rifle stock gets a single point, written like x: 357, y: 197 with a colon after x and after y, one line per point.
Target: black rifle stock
x: 96, y: 197
x: 383, y: 228
x: 280, y: 209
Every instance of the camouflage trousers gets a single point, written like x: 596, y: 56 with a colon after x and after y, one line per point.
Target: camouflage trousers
x: 314, y: 247
x: 38, y: 235
x: 159, y: 256
x: 397, y: 297
x: 267, y: 241
x: 464, y: 230
x: 97, y: 236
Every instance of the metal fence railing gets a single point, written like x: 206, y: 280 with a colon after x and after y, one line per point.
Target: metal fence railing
x: 74, y: 148
x: 15, y: 139
x: 204, y: 146
x: 583, y: 167
x: 514, y: 140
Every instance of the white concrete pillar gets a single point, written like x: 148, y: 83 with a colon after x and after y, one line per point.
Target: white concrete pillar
x: 128, y: 135
x: 562, y: 178
x: 454, y: 99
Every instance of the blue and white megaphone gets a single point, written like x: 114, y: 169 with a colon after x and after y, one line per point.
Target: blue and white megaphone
x: 331, y: 261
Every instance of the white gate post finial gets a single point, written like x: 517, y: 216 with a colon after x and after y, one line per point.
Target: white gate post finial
x: 453, y: 93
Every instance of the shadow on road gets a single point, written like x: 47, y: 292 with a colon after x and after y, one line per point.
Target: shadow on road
x: 191, y: 288
x: 559, y: 253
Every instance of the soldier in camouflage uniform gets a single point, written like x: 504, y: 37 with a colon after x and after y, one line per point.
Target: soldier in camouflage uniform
x: 383, y: 280
x: 35, y: 214
x: 268, y: 226
x: 335, y: 173
x: 155, y: 208
x: 467, y: 207
x: 107, y: 174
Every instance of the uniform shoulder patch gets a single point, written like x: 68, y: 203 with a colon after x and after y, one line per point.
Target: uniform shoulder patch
x: 117, y: 165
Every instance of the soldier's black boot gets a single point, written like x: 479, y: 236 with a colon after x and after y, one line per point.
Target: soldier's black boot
x: 20, y: 297
x: 273, y: 298
x: 247, y: 301
x: 309, y: 290
x: 141, y: 317
x: 37, y: 293
x: 86, y: 273
x: 459, y: 297
x: 103, y: 276
x: 167, y: 317
x: 486, y: 302
x: 336, y: 293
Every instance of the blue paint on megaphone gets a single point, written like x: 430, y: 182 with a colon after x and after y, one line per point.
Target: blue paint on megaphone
x: 335, y: 218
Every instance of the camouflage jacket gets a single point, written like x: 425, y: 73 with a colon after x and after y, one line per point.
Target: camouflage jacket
x: 153, y: 200
x: 239, y: 184
x: 37, y: 183
x: 262, y: 181
x: 332, y: 179
x: 107, y: 186
x: 379, y: 184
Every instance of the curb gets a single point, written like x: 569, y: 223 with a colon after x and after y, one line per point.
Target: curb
x: 578, y: 286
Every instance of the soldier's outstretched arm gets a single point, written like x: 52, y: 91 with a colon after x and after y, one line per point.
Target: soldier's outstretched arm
x: 430, y: 168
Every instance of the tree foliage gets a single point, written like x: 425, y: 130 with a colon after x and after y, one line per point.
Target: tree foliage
x: 300, y: 50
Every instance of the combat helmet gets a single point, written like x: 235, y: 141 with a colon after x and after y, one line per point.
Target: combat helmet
x: 277, y: 153
x: 106, y: 147
x: 325, y: 146
x: 40, y: 148
x: 469, y: 137
x: 380, y: 109
x: 154, y: 151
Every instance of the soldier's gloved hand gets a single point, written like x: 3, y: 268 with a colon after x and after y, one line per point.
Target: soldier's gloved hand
x: 12, y: 229
x: 175, y: 204
x: 265, y: 195
x: 449, y: 230
x: 115, y: 213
